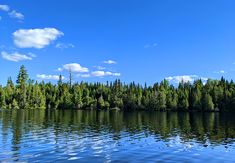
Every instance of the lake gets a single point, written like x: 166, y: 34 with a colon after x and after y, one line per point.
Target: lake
x: 115, y: 136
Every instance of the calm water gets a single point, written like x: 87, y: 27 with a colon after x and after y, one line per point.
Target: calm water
x: 90, y: 136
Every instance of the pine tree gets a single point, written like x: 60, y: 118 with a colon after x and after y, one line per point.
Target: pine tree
x: 14, y: 104
x: 26, y: 94
x: 70, y: 78
x: 9, y: 92
x: 22, y: 76
x: 196, y: 98
x: 86, y: 98
x: 2, y: 98
x: 100, y: 103
x: 207, y: 102
x: 22, y: 87
x: 161, y: 100
x: 183, y: 102
x: 77, y: 97
x: 172, y: 100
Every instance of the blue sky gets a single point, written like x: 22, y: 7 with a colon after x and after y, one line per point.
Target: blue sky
x: 134, y: 40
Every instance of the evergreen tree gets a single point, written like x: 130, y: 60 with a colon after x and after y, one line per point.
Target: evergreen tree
x: 26, y: 94
x: 2, y: 98
x: 22, y: 76
x: 9, y: 92
x: 14, y: 104
x: 172, y: 100
x: 183, y: 96
x: 77, y: 97
x: 197, y: 95
x: 100, y: 103
x: 22, y: 87
x: 161, y: 99
x: 207, y: 102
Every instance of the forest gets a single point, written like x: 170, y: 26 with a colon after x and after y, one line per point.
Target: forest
x: 25, y: 93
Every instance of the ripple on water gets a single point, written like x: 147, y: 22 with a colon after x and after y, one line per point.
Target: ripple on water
x: 114, y: 138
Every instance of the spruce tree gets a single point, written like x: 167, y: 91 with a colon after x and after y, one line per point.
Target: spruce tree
x: 22, y: 87
x: 207, y: 102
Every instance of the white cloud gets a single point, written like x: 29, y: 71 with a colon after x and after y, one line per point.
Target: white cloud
x: 49, y: 77
x: 60, y: 69
x: 35, y: 38
x: 220, y: 72
x: 16, y: 57
x: 99, y: 67
x: 110, y: 62
x: 32, y: 54
x: 12, y: 13
x: 204, y: 79
x: 151, y: 45
x: 74, y: 67
x: 4, y: 7
x: 15, y: 14
x: 84, y: 75
x: 98, y: 73
x: 104, y: 73
x: 64, y: 46
x: 184, y: 78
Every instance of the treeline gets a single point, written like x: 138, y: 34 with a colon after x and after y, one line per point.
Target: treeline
x: 214, y: 95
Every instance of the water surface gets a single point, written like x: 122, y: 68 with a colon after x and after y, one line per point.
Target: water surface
x: 102, y: 136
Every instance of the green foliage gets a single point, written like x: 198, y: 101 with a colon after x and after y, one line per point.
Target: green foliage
x: 207, y: 102
x: 77, y: 97
x: 196, y: 95
x: 161, y: 99
x: 2, y: 98
x: 26, y: 94
x: 22, y: 76
x: 183, y: 96
x: 172, y: 99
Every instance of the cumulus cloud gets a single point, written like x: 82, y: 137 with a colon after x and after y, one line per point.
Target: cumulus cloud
x: 184, y: 78
x: 110, y: 62
x: 4, y: 7
x: 64, y: 46
x: 99, y: 74
x: 104, y: 73
x: 74, y: 67
x: 12, y: 13
x: 16, y: 57
x: 15, y: 14
x: 49, y: 77
x: 35, y: 38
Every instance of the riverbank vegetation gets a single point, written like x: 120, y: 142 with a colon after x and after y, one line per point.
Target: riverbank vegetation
x: 214, y: 95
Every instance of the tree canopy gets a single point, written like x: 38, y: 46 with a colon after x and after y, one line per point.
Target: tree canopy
x: 214, y: 95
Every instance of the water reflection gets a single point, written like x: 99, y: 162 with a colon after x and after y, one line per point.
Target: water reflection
x: 29, y: 135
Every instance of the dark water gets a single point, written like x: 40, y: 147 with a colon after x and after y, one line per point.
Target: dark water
x: 90, y: 136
